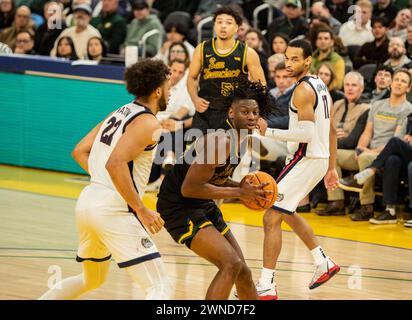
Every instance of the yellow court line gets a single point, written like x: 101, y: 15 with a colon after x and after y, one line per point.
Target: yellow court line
x: 70, y: 185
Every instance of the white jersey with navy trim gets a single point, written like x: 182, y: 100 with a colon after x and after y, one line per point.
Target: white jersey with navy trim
x: 319, y: 146
x: 109, y: 134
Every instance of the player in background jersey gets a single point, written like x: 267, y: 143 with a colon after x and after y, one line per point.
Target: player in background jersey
x: 110, y: 214
x: 311, y: 140
x: 217, y: 65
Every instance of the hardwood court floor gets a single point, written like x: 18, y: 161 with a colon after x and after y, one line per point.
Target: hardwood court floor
x: 38, y: 237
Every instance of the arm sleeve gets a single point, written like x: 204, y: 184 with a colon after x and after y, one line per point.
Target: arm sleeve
x: 303, y: 133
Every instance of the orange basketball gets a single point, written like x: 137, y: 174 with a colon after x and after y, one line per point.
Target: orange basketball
x: 256, y: 178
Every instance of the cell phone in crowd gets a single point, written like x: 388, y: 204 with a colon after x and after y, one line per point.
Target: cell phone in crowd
x: 340, y: 125
x: 358, y: 151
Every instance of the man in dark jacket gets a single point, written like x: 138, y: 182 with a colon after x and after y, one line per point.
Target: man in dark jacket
x: 49, y: 31
x: 111, y: 25
x: 291, y: 23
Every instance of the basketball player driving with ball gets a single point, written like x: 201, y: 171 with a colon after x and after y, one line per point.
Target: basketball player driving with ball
x: 185, y: 198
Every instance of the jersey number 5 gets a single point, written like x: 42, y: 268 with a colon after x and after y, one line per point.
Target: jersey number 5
x: 325, y: 106
x: 110, y: 130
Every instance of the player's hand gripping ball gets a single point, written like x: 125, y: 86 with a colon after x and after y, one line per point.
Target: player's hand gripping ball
x: 255, y: 179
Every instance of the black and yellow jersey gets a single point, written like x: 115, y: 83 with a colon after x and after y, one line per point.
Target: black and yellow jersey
x: 170, y: 190
x: 219, y: 73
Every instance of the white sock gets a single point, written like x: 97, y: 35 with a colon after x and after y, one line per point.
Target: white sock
x: 267, y: 276
x: 391, y: 210
x: 68, y: 289
x: 318, y: 255
x: 364, y: 175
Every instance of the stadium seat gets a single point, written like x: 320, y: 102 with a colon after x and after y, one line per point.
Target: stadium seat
x: 367, y: 71
x: 353, y: 51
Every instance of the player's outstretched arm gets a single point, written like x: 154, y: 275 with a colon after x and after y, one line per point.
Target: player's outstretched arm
x: 201, y: 105
x: 81, y: 151
x: 304, y: 100
x: 138, y: 135
x: 254, y: 67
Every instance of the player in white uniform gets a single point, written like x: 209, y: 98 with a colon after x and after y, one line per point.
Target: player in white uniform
x: 110, y: 215
x: 311, y: 141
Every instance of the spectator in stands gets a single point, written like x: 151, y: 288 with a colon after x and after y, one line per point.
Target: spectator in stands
x: 319, y: 9
x: 402, y: 20
x: 48, y: 32
x: 280, y: 97
x: 178, y: 51
x: 279, y: 43
x: 207, y: 7
x: 350, y: 115
x: 175, y: 32
x: 81, y: 32
x: 7, y: 12
x: 22, y: 22
x: 408, y: 42
x: 325, y: 53
x: 24, y: 43
x: 291, y: 23
x: 5, y: 49
x: 384, y: 121
x: 180, y: 105
x: 96, y: 49
x: 383, y: 80
x: 385, y: 9
x: 273, y: 61
x: 397, y: 55
x: 142, y: 23
x: 394, y: 159
x: 327, y: 74
x: 65, y: 48
x: 243, y: 29
x: 167, y: 7
x: 358, y: 31
x: 254, y: 39
x: 340, y: 9
x: 111, y: 25
x: 176, y: 119
x: 375, y: 52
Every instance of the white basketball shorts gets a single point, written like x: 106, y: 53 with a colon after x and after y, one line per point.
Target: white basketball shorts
x: 297, y: 179
x: 107, y: 227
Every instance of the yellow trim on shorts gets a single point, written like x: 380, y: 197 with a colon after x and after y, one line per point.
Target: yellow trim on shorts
x: 225, y: 230
x: 207, y: 223
x: 187, y: 234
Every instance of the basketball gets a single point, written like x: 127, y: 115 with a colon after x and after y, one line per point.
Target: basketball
x: 256, y: 178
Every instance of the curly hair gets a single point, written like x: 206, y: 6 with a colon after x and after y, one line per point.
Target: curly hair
x: 230, y: 12
x: 249, y: 90
x: 143, y: 77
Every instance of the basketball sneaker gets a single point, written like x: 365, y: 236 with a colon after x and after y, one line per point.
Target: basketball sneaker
x: 326, y: 270
x: 265, y: 292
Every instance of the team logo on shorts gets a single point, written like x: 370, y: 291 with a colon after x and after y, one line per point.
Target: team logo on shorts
x: 280, y: 197
x: 146, y: 243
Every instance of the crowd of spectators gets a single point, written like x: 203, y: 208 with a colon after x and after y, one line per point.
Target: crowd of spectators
x: 362, y: 53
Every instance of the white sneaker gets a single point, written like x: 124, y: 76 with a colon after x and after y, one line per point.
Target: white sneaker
x: 265, y: 292
x: 408, y: 224
x: 169, y: 162
x: 154, y: 186
x: 326, y: 270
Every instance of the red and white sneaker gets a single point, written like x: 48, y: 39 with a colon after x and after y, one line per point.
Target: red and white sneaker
x: 325, y: 271
x: 266, y: 292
